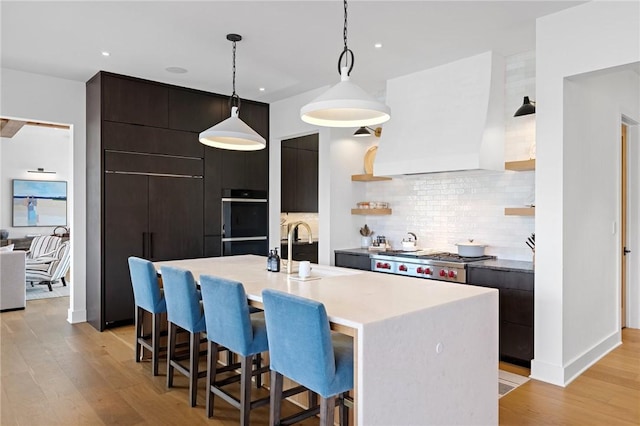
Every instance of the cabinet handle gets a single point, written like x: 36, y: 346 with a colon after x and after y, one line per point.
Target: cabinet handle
x: 150, y: 245
x: 144, y: 245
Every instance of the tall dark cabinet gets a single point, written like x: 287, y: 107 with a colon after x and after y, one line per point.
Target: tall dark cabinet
x: 299, y: 171
x: 153, y: 190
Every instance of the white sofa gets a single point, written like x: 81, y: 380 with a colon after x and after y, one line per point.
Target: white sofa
x: 13, y: 291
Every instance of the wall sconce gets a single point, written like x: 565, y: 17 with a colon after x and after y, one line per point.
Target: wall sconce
x: 40, y: 170
x: 366, y: 131
x: 528, y: 107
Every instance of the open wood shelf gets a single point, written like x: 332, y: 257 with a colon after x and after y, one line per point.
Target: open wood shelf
x: 371, y: 211
x: 368, y: 178
x: 520, y: 211
x: 520, y: 166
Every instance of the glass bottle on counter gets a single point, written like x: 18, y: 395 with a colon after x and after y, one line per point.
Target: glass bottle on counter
x: 270, y: 260
x: 275, y: 261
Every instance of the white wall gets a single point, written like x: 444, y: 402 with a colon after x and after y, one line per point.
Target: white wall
x: 41, y: 98
x: 594, y: 36
x: 32, y: 147
x: 446, y: 208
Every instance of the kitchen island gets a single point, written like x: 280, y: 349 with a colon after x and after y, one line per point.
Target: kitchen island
x: 426, y: 352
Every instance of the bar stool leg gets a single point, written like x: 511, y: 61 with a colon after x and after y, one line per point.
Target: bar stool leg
x: 212, y: 361
x: 327, y: 407
x: 193, y: 366
x: 138, y: 321
x: 276, y: 398
x: 171, y: 351
x: 246, y: 366
x: 155, y: 342
x: 344, y: 410
x: 258, y: 359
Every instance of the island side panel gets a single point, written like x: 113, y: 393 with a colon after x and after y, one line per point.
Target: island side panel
x: 403, y: 380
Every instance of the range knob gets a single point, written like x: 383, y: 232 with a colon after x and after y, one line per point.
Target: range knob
x: 419, y: 269
x: 378, y: 264
x: 452, y: 274
x: 427, y: 271
x: 443, y: 273
x: 386, y: 266
x: 403, y: 268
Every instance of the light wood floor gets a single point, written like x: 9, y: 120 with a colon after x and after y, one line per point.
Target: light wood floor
x: 52, y: 373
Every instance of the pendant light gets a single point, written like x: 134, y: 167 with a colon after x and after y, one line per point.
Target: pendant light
x: 528, y: 107
x: 345, y: 104
x: 233, y: 133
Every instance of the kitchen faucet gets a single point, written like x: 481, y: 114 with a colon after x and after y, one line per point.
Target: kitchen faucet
x: 292, y: 228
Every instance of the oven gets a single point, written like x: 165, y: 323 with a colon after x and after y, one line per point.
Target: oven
x: 245, y: 222
x: 442, y: 266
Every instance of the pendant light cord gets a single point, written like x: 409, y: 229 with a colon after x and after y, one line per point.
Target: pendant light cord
x: 346, y: 52
x: 234, y: 100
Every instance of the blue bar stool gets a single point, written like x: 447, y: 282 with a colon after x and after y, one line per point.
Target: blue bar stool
x: 230, y: 324
x: 148, y: 297
x: 184, y: 310
x: 302, y: 348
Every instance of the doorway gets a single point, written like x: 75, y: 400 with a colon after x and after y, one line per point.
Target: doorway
x: 623, y: 227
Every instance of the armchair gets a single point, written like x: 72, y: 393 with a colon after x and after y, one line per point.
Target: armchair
x: 48, y: 270
x: 43, y: 246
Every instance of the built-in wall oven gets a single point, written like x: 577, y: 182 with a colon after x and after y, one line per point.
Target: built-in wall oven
x: 245, y: 222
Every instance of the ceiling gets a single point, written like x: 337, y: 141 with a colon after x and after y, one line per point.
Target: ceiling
x: 288, y: 47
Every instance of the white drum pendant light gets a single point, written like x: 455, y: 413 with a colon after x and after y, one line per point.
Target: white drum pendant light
x: 345, y: 104
x: 233, y: 133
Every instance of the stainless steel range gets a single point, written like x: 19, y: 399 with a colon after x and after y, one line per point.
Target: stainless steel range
x: 441, y: 266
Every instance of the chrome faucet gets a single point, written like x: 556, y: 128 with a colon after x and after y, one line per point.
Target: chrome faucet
x: 292, y: 228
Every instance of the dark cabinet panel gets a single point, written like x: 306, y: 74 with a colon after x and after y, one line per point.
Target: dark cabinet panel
x: 125, y: 234
x: 299, y: 171
x: 175, y: 218
x: 158, y: 164
x: 288, y: 179
x: 301, y: 251
x: 212, y: 191
x: 516, y: 306
x: 353, y: 261
x: 152, y: 140
x: 234, y: 170
x: 128, y: 100
x: 195, y: 111
x: 516, y: 343
x: 212, y: 246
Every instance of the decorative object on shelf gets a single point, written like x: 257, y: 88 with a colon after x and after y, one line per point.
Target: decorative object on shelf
x: 369, y: 158
x: 61, y: 231
x: 233, y: 133
x: 41, y: 170
x: 366, y: 234
x: 345, y: 104
x: 4, y: 234
x: 366, y: 131
x: 528, y: 107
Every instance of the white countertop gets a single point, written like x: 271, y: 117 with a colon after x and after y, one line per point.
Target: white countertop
x: 352, y: 297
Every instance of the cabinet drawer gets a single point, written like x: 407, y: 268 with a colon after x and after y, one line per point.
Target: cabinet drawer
x: 353, y: 261
x: 516, y: 341
x: 516, y: 306
x: 500, y: 279
x: 152, y: 140
x: 127, y: 100
x: 155, y: 164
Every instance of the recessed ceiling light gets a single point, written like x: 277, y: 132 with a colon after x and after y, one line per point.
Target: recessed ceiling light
x: 261, y: 89
x: 378, y: 45
x: 105, y: 53
x: 176, y: 70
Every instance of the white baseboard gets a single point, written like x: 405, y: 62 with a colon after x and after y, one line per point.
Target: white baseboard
x: 563, y: 375
x: 74, y: 317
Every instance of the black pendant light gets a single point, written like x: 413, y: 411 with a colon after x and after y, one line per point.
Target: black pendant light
x: 528, y: 107
x: 233, y: 133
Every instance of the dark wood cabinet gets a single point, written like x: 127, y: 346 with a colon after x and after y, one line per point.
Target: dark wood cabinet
x: 129, y: 100
x: 153, y: 190
x: 353, y: 261
x: 516, y: 310
x: 299, y: 171
x: 301, y: 251
x: 195, y: 111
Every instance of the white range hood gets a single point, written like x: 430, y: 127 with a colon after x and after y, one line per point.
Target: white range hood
x: 446, y: 118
